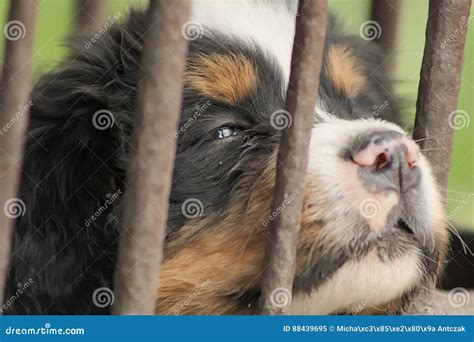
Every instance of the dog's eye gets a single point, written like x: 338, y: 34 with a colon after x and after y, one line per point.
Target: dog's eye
x: 227, y: 132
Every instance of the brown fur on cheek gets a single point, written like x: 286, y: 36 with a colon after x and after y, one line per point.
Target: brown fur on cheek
x: 212, y: 263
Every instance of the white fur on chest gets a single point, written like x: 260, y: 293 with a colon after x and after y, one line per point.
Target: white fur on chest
x: 360, y: 285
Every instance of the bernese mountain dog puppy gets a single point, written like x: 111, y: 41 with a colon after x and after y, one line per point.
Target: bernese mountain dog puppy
x: 372, y: 227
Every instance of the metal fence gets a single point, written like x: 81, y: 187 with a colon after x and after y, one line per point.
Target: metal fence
x: 141, y: 250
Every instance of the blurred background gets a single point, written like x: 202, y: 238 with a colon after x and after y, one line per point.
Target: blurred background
x: 57, y: 19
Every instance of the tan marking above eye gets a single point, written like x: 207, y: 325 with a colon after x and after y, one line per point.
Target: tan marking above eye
x: 227, y: 78
x: 345, y: 71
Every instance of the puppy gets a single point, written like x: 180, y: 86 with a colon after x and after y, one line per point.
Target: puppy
x: 372, y: 228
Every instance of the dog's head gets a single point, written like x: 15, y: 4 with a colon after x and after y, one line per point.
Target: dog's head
x: 372, y: 221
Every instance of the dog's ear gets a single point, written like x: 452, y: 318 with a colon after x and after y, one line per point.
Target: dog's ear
x: 73, y: 172
x: 72, y: 167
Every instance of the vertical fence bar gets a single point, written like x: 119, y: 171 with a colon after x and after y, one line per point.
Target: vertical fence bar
x: 440, y: 81
x: 14, y: 93
x: 386, y: 14
x: 153, y: 150
x: 292, y: 158
x: 90, y: 15
x: 438, y: 92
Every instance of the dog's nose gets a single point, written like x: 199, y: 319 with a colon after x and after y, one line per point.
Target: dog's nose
x: 387, y: 160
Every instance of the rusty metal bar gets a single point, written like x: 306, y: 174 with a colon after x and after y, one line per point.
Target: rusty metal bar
x: 90, y: 15
x: 438, y: 92
x: 293, y: 152
x: 386, y: 14
x: 153, y: 151
x: 15, y: 89
x: 440, y: 81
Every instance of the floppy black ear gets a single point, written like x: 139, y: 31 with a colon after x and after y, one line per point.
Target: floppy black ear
x: 64, y: 240
x: 73, y: 175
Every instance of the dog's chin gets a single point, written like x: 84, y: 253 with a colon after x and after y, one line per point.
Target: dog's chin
x: 377, y: 281
x: 371, y: 272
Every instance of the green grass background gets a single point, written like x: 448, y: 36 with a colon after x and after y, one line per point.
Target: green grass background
x: 56, y: 20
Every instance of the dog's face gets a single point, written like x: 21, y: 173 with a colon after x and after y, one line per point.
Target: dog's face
x: 371, y: 226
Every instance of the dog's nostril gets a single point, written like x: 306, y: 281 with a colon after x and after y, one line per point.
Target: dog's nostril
x: 375, y: 159
x: 382, y: 160
x: 374, y: 155
x: 386, y: 160
x: 377, y: 150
